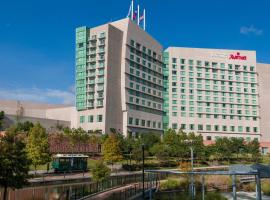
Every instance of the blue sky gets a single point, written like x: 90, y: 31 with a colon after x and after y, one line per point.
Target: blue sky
x: 37, y: 37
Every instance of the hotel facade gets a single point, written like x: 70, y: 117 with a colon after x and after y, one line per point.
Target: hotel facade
x: 213, y: 92
x: 119, y: 79
x: 126, y: 81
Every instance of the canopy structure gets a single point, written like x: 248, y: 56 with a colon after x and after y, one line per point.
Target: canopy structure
x: 257, y: 170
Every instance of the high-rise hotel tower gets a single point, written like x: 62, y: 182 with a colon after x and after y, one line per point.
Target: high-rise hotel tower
x: 213, y: 92
x: 119, y: 79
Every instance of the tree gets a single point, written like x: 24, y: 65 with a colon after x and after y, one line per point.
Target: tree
x: 2, y: 116
x: 75, y: 136
x: 161, y: 151
x: 38, y: 146
x: 253, y: 148
x: 14, y: 163
x: 150, y: 139
x: 24, y: 126
x: 100, y: 171
x: 111, y: 149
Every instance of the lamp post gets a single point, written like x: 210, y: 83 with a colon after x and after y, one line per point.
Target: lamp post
x: 129, y: 158
x: 143, y: 169
x: 190, y: 142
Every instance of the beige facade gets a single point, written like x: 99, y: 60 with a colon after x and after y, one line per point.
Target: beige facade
x: 213, y: 92
x: 264, y: 99
x: 132, y: 94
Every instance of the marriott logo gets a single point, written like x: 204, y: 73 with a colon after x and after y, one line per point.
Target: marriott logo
x: 237, y: 56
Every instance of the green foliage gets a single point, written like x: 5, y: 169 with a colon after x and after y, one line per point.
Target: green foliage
x: 2, y: 116
x: 253, y: 148
x: 161, y: 151
x: 38, y: 145
x: 111, y: 149
x: 24, y: 126
x: 14, y: 163
x: 170, y: 184
x: 178, y: 145
x: 149, y: 139
x: 213, y: 196
x: 76, y: 136
x: 100, y: 171
x: 266, y: 188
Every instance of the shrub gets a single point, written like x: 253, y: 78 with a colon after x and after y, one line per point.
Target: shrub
x: 266, y: 188
x: 100, y: 171
x: 214, y: 196
x: 170, y: 184
x: 249, y: 187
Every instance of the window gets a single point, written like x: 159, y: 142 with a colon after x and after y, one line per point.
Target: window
x: 130, y: 120
x: 99, y: 118
x: 208, y: 138
x: 208, y: 127
x: 174, y: 126
x: 137, y: 122
x: 191, y: 126
x: 200, y: 127
x: 82, y: 119
x: 183, y: 126
x: 90, y: 118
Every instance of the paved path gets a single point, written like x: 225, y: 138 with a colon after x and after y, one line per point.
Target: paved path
x: 245, y: 196
x: 70, y: 176
x: 106, y: 194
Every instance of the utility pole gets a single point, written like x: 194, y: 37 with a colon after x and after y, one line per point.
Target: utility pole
x: 143, y: 169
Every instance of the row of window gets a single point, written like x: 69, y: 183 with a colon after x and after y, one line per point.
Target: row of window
x: 248, y: 139
x: 215, y: 116
x: 145, y: 50
x: 215, y: 77
x: 215, y: 105
x: 143, y: 102
x: 209, y: 127
x: 214, y: 64
x: 144, y: 123
x: 90, y: 119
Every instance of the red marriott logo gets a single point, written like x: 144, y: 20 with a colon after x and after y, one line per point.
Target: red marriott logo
x: 237, y: 57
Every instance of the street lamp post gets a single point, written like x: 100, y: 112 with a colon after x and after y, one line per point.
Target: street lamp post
x: 189, y: 142
x: 143, y: 169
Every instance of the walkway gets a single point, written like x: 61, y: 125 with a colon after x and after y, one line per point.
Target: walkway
x: 108, y: 193
x: 245, y: 196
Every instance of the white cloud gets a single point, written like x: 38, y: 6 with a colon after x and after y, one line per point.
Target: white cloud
x: 250, y: 30
x: 39, y: 95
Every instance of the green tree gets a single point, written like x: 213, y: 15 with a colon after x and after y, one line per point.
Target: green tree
x: 161, y: 151
x: 100, y: 171
x: 14, y: 163
x: 253, y: 148
x: 2, y: 116
x: 237, y: 146
x: 38, y: 146
x: 24, y: 126
x: 111, y: 149
x: 75, y: 137
x: 150, y: 139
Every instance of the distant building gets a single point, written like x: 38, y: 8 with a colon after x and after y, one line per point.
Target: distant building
x: 50, y: 116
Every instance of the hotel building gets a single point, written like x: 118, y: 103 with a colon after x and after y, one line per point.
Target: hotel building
x: 213, y: 92
x: 125, y: 82
x: 119, y: 79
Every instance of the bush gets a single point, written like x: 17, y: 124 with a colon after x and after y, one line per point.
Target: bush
x: 266, y: 188
x: 100, y: 171
x: 214, y: 196
x: 249, y: 187
x: 170, y: 184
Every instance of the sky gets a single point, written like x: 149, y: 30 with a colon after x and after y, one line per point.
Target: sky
x: 37, y: 38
